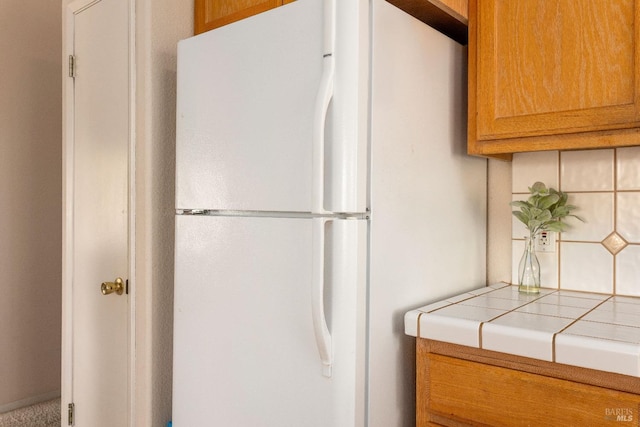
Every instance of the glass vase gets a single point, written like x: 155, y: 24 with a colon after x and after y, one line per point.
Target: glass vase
x: 529, y: 268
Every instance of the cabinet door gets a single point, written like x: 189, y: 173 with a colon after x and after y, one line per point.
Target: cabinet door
x: 474, y: 393
x: 543, y: 67
x: 210, y: 14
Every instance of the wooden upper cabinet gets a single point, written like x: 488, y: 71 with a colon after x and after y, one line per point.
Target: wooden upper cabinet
x: 553, y: 74
x: 210, y: 14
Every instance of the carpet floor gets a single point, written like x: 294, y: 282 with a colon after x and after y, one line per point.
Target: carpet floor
x: 45, y: 414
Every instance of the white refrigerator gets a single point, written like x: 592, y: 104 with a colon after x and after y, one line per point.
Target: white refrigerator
x: 322, y: 190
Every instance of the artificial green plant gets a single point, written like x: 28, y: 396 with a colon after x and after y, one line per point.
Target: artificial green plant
x: 544, y: 210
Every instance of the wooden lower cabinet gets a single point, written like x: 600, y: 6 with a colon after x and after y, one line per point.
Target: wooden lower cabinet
x: 460, y: 386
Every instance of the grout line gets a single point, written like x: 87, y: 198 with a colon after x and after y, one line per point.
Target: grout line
x: 627, y: 191
x: 582, y: 192
x: 558, y: 257
x: 553, y: 340
x: 487, y: 243
x: 559, y: 171
x: 615, y: 216
x: 585, y: 241
x: 559, y: 235
x: 614, y: 278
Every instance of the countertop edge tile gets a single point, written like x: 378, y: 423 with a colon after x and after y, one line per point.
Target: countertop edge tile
x: 411, y: 322
x: 611, y: 356
x: 517, y: 341
x: 454, y: 322
x: 450, y: 329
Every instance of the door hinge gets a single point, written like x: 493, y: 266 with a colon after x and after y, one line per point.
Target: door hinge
x: 72, y: 406
x: 72, y: 66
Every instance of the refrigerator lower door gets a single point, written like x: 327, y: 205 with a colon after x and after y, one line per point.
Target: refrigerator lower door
x: 245, y: 353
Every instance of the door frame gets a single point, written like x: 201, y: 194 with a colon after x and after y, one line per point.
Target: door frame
x: 69, y: 8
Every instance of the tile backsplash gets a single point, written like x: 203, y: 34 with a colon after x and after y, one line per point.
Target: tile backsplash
x: 603, y: 253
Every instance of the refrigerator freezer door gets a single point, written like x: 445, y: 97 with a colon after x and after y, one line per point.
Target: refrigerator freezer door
x: 245, y: 353
x: 245, y: 112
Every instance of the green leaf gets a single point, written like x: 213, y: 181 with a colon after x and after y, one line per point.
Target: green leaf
x: 536, y: 212
x: 533, y: 224
x: 556, y: 226
x: 519, y: 204
x: 560, y: 210
x: 577, y: 217
x: 538, y: 188
x: 546, y: 201
x: 522, y: 217
x: 563, y: 199
x: 544, y: 216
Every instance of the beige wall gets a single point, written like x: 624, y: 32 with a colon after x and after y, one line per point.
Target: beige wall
x: 499, y: 222
x: 30, y: 201
x: 159, y: 26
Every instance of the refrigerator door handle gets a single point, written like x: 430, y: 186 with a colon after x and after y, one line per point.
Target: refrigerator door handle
x: 325, y: 93
x: 321, y: 330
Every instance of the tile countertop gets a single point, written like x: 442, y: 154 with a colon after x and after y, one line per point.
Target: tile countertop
x: 583, y: 329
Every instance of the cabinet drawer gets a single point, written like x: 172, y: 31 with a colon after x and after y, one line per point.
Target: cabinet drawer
x: 474, y: 393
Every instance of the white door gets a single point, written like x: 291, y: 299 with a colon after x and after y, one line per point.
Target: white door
x: 96, y: 245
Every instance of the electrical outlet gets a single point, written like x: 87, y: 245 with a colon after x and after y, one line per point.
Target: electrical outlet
x: 546, y: 241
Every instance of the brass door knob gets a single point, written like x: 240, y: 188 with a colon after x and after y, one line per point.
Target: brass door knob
x: 110, y: 287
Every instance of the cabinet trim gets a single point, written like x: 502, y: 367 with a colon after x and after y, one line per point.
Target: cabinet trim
x: 572, y: 141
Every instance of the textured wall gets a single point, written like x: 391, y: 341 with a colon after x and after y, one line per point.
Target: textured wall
x: 30, y: 201
x: 159, y: 26
x: 498, y: 236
